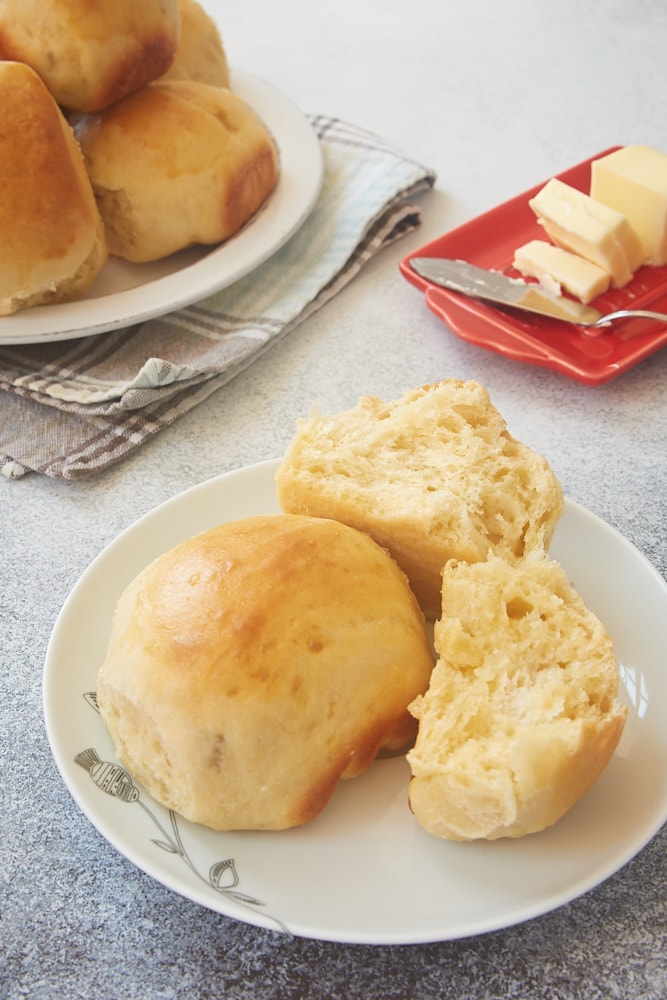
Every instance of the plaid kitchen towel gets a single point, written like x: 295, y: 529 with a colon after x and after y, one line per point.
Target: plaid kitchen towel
x: 74, y: 407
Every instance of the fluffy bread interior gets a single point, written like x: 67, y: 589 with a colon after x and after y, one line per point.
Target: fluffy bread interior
x: 432, y: 476
x: 522, y: 712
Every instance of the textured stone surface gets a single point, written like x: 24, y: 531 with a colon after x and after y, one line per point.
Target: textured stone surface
x: 77, y: 920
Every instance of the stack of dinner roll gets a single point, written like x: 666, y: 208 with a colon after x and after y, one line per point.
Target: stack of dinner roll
x: 253, y: 666
x: 154, y: 152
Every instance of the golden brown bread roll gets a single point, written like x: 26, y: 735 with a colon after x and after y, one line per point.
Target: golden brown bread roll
x: 201, y: 55
x: 175, y: 164
x: 91, y: 54
x: 53, y: 243
x: 521, y: 715
x: 432, y: 476
x: 253, y: 666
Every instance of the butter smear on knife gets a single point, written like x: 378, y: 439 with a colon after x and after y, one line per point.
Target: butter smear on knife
x: 539, y: 299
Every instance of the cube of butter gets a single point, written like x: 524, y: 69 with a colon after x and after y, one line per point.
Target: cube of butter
x: 557, y: 268
x: 576, y: 222
x: 633, y: 180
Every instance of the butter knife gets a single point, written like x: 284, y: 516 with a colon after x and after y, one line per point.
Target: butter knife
x: 494, y: 286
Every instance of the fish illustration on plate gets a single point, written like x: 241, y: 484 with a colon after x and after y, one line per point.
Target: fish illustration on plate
x: 111, y: 778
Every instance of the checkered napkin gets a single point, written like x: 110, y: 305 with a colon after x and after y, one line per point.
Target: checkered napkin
x: 74, y: 407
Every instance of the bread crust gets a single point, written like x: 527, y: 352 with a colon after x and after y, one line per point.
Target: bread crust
x: 175, y: 164
x: 91, y: 54
x: 255, y: 665
x: 53, y: 243
x: 201, y: 54
x: 431, y: 476
x: 522, y: 712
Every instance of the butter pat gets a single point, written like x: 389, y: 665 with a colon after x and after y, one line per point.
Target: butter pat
x: 556, y: 268
x: 574, y: 221
x: 633, y: 180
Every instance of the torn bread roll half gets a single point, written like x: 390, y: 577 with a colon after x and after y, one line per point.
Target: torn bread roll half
x: 176, y: 164
x: 433, y: 476
x: 90, y: 55
x: 53, y: 241
x: 522, y: 713
x: 254, y: 666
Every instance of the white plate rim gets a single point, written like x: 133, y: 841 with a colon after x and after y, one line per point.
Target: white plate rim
x: 185, y: 278
x: 245, y: 491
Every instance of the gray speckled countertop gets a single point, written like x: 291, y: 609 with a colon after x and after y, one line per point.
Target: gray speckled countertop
x: 496, y: 98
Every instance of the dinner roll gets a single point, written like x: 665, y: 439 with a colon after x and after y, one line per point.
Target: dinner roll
x: 201, y: 55
x: 522, y: 715
x: 433, y: 476
x: 91, y: 54
x: 53, y: 244
x: 253, y: 666
x: 175, y: 164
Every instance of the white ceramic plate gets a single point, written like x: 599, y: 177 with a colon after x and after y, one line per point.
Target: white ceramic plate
x: 125, y: 293
x: 364, y: 871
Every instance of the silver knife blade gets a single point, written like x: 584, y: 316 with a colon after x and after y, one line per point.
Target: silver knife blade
x: 494, y: 286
